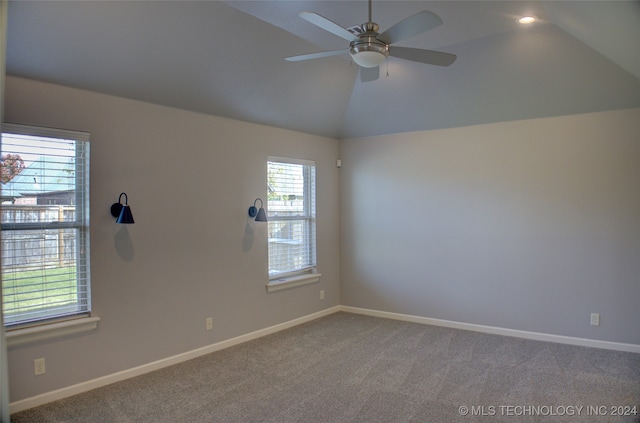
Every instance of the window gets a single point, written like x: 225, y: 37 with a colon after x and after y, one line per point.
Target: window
x: 45, y: 224
x: 291, y: 217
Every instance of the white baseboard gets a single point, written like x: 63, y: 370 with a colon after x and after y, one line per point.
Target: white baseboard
x: 79, y: 388
x: 583, y: 342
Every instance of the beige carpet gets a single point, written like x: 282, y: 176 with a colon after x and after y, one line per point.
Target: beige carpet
x: 353, y: 368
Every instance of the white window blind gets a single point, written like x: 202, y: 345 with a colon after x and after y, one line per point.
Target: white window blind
x: 291, y: 213
x: 45, y: 224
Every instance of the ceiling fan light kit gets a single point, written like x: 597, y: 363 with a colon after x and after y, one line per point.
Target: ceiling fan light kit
x: 369, y: 49
x: 527, y: 20
x: 369, y: 54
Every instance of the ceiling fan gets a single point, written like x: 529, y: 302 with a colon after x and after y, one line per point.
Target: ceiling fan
x: 369, y: 49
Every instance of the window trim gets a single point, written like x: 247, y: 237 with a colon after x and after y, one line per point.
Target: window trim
x: 54, y: 326
x: 47, y: 330
x: 292, y: 281
x: 308, y: 275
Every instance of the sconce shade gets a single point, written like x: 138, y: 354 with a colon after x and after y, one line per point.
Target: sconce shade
x: 125, y: 215
x: 122, y: 212
x: 260, y: 215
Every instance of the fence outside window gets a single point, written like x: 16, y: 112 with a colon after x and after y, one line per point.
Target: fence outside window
x: 37, y: 248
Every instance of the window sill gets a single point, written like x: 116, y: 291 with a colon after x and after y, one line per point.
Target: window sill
x: 50, y: 330
x: 292, y: 282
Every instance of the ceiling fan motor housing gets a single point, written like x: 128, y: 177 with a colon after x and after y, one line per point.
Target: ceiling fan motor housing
x: 368, y: 51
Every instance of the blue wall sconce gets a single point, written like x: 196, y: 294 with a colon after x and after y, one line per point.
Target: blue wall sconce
x: 122, y: 212
x: 260, y: 214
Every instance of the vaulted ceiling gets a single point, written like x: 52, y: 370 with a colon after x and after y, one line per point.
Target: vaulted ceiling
x: 226, y: 58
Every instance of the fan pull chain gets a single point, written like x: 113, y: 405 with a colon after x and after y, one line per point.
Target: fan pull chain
x: 387, y: 64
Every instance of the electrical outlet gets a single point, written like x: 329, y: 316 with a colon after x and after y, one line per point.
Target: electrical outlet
x: 38, y: 367
x: 595, y: 319
x: 322, y: 294
x: 208, y: 323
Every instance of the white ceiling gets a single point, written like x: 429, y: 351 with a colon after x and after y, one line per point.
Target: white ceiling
x: 227, y: 59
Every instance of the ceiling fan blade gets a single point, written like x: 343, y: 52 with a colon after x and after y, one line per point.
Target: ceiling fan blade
x: 328, y: 25
x: 369, y: 74
x: 429, y: 57
x: 315, y: 55
x: 413, y: 25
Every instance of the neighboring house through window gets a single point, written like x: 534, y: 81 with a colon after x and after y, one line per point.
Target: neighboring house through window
x: 45, y: 224
x: 291, y: 213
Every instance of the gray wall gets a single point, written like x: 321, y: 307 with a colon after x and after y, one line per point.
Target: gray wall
x: 192, y: 252
x: 528, y: 225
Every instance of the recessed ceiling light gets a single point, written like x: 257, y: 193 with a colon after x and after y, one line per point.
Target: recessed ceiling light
x: 527, y: 20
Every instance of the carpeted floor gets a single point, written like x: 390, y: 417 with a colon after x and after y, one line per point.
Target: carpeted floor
x: 353, y: 368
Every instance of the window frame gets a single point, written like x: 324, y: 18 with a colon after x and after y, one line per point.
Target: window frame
x: 50, y: 322
x: 307, y: 273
